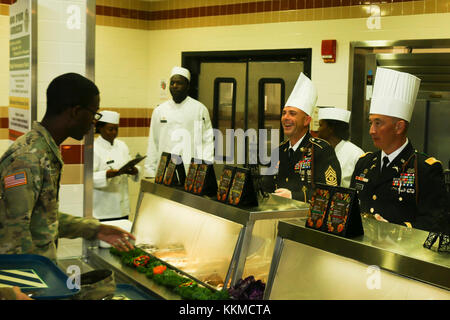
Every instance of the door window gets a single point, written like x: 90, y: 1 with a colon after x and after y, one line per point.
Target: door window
x: 224, y: 110
x: 271, y: 102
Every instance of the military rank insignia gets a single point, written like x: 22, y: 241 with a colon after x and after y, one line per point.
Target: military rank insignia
x: 331, y: 176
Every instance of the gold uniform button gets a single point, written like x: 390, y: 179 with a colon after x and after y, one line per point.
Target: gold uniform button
x: 400, y: 199
x: 287, y: 179
x: 374, y: 197
x: 372, y: 210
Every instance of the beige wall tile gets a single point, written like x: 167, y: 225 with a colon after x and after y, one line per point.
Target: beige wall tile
x: 72, y: 174
x: 407, y: 8
x: 396, y: 9
x: 71, y: 141
x: 431, y: 6
x: 4, y: 112
x: 4, y: 9
x: 4, y: 135
x: 442, y: 6
x: 418, y: 7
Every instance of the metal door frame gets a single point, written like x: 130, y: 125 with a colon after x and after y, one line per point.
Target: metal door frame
x: 217, y: 82
x: 193, y: 60
x: 261, y: 84
x: 416, y: 44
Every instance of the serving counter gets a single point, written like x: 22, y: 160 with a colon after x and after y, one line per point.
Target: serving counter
x: 387, y: 262
x: 214, y: 243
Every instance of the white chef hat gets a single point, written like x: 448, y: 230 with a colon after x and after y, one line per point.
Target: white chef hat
x: 182, y: 72
x: 334, y: 114
x: 303, y: 96
x: 394, y: 93
x: 110, y: 117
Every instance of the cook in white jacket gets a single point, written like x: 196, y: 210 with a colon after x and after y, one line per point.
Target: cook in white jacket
x: 333, y: 127
x: 180, y: 126
x: 111, y: 200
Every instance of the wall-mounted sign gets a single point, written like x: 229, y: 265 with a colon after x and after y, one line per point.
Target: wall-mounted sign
x: 21, y: 94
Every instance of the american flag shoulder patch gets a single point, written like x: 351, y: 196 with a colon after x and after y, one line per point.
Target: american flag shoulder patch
x: 15, y: 179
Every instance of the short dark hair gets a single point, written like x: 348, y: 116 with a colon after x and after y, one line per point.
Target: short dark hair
x: 340, y: 128
x: 69, y: 90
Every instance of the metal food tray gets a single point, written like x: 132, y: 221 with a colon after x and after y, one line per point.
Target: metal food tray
x: 35, y: 275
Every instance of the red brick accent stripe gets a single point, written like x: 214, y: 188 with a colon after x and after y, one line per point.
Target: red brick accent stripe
x: 4, y: 123
x: 134, y: 122
x: 228, y: 9
x: 7, y: 1
x: 72, y: 154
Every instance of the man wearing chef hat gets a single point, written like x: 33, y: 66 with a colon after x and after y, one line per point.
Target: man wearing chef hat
x: 303, y: 159
x: 180, y: 126
x: 334, y: 128
x: 398, y: 184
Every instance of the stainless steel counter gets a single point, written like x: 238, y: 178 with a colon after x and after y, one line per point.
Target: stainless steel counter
x: 272, y: 207
x: 269, y: 208
x: 102, y: 258
x: 391, y: 247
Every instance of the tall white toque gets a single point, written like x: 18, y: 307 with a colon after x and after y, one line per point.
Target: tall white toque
x: 110, y: 117
x: 334, y: 114
x: 394, y: 94
x: 182, y: 72
x: 303, y: 96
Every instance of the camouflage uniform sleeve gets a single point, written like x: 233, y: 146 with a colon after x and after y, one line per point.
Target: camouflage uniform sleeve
x: 74, y: 227
x: 19, y: 198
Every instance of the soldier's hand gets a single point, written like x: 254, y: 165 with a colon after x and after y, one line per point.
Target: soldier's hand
x: 20, y: 295
x: 116, y: 237
x: 282, y: 192
x: 379, y: 218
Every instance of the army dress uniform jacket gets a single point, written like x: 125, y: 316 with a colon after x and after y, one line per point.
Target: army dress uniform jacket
x: 410, y: 190
x: 30, y: 221
x: 314, y: 161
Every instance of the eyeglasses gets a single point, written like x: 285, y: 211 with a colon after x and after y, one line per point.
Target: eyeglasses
x: 97, y: 116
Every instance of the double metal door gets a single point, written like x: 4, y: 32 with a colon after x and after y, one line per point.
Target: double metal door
x: 245, y: 100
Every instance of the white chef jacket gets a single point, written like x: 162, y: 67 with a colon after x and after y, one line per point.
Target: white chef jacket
x: 179, y: 128
x: 111, y: 195
x: 348, y: 154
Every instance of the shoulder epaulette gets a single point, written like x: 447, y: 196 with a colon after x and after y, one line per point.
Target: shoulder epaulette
x: 365, y: 154
x: 319, y: 142
x: 432, y: 161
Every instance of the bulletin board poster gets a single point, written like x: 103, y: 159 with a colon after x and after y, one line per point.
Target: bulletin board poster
x: 20, y: 68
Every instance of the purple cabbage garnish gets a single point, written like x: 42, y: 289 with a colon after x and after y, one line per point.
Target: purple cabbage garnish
x: 247, y: 289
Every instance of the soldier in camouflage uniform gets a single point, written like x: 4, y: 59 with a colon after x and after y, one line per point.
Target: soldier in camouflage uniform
x: 30, y: 172
x: 303, y: 159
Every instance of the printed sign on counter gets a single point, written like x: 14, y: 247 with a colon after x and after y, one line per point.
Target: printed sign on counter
x: 335, y: 210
